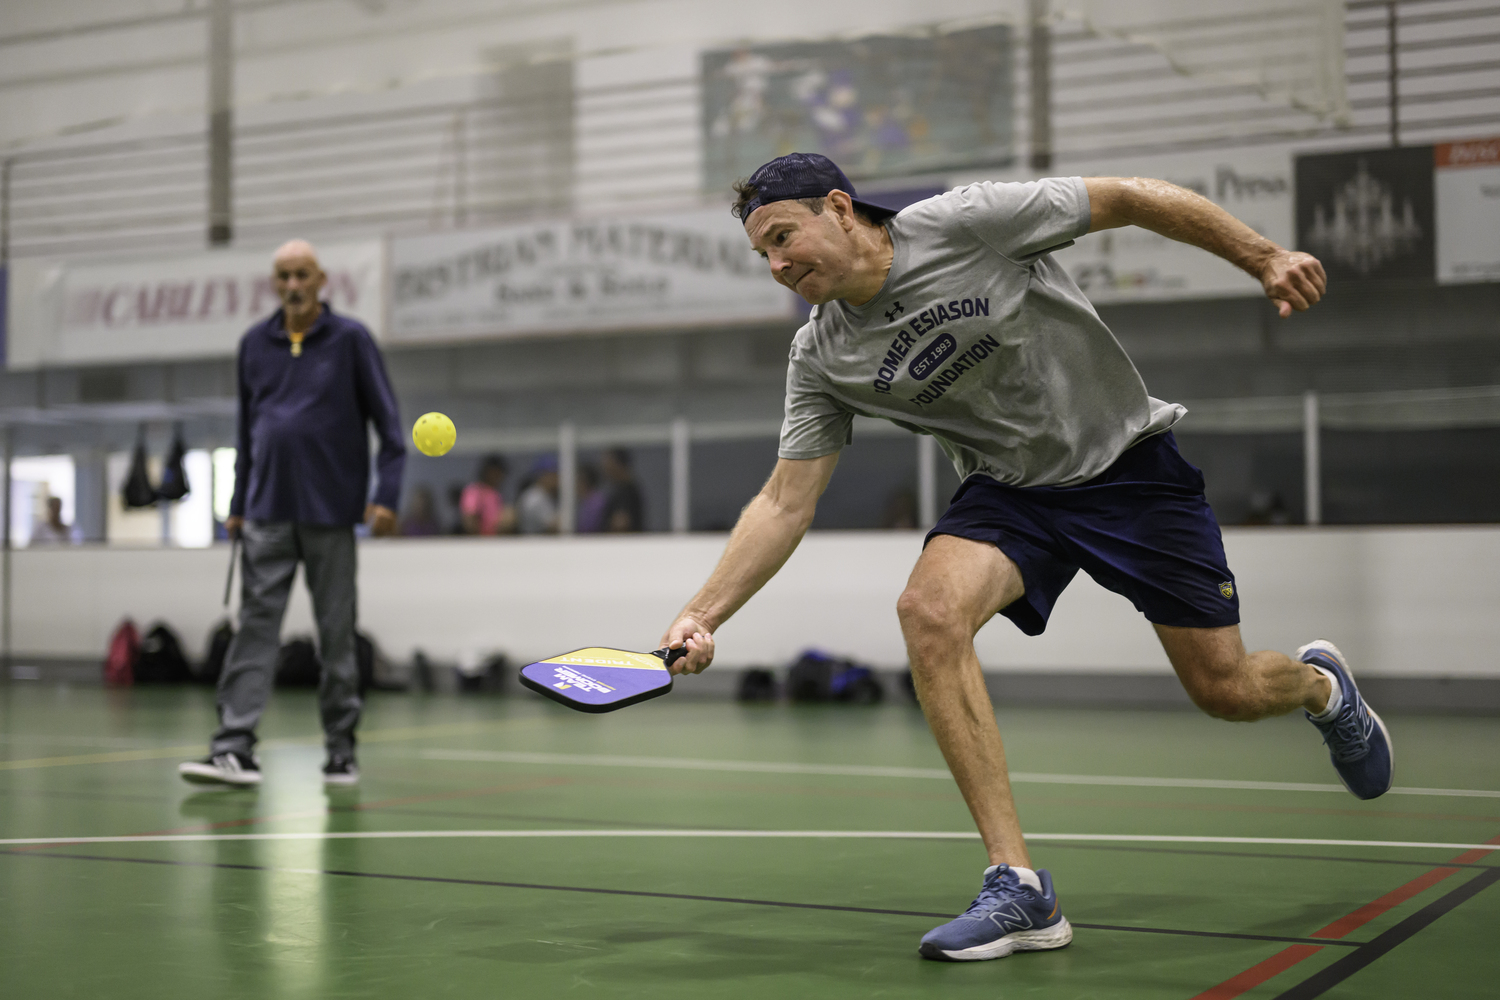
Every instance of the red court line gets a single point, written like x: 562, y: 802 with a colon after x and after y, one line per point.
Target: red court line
x: 1354, y: 921
x: 1259, y: 973
x: 1285, y: 959
x: 1469, y: 857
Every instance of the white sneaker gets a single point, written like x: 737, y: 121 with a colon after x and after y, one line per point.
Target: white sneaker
x: 226, y: 768
x: 341, y: 770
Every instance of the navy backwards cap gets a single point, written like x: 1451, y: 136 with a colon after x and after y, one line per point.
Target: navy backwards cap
x: 804, y: 175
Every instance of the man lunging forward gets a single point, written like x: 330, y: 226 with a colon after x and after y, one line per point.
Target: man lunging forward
x: 952, y: 319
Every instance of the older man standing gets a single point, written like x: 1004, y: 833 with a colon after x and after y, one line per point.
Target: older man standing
x: 310, y: 384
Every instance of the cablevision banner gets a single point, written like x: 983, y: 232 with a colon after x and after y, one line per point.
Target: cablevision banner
x: 575, y: 275
x: 164, y: 308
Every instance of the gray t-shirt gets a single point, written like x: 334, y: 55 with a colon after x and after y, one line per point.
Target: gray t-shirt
x: 979, y: 338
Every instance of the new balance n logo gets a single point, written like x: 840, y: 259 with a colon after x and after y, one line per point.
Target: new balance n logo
x: 1010, y: 918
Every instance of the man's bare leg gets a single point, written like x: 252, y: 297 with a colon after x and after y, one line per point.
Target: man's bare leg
x: 1229, y: 683
x: 957, y: 586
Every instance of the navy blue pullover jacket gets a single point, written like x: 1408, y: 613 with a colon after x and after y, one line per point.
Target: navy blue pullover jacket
x: 304, y: 452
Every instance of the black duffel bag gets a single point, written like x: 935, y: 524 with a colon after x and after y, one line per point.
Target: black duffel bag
x: 818, y: 677
x: 161, y: 660
x: 297, y: 663
x: 216, y: 653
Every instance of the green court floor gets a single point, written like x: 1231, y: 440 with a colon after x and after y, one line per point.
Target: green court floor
x: 517, y: 850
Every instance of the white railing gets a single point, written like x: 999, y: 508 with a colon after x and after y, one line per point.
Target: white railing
x: 1307, y: 415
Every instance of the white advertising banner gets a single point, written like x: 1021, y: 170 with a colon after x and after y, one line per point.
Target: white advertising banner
x: 1134, y: 265
x: 1466, y: 189
x: 152, y: 309
x: 574, y: 275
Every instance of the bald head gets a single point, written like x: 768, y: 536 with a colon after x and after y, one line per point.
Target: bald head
x: 295, y: 250
x: 298, y: 280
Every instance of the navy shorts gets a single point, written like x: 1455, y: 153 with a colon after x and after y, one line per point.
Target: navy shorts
x: 1141, y: 528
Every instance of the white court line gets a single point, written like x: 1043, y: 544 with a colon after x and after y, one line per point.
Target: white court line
x: 859, y: 770
x: 1144, y: 838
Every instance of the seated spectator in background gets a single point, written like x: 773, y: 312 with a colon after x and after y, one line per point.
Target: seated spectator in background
x: 421, y: 514
x: 456, y: 501
x: 537, y: 506
x: 592, y: 498
x: 624, y: 510
x: 52, y: 531
x: 481, y: 506
x: 1267, y: 508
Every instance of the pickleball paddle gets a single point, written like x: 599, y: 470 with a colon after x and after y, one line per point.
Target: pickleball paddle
x: 598, y: 679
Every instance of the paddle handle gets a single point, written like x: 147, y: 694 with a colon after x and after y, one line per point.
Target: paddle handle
x: 234, y: 548
x: 671, y: 656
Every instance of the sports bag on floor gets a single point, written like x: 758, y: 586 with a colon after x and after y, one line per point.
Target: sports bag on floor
x: 161, y: 660
x: 817, y: 677
x: 119, y: 661
x: 217, y: 652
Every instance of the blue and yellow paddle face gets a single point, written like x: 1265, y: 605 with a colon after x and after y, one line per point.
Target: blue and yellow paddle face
x: 598, y: 679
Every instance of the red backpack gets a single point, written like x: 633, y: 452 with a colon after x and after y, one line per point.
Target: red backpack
x: 124, y: 650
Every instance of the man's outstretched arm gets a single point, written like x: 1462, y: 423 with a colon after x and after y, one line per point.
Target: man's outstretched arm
x: 1291, y: 279
x: 767, y: 533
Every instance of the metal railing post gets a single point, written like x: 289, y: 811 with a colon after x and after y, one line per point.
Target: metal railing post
x: 926, y: 481
x: 461, y: 167
x: 6, y: 166
x: 1393, y: 73
x: 1039, y: 54
x: 567, y: 478
x: 220, y: 123
x: 5, y: 617
x: 1312, y: 459
x: 681, y: 469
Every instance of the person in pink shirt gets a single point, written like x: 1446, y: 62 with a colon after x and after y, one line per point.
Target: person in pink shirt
x: 481, y: 507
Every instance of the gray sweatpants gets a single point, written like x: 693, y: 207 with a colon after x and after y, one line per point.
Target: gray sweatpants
x: 271, y: 551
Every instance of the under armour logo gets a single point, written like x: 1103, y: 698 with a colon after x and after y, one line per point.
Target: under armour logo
x: 894, y: 311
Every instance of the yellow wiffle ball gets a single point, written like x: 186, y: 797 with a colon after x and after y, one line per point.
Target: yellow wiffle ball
x: 434, y: 434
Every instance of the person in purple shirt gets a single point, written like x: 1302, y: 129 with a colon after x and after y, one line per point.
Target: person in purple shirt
x: 311, y: 383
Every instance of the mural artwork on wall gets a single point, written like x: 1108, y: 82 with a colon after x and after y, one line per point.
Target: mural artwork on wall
x: 879, y: 106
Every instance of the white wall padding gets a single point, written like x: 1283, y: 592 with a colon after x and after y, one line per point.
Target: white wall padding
x: 1416, y: 602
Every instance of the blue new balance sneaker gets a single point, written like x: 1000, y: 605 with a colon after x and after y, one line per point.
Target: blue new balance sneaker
x: 1007, y: 916
x: 1357, y: 740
